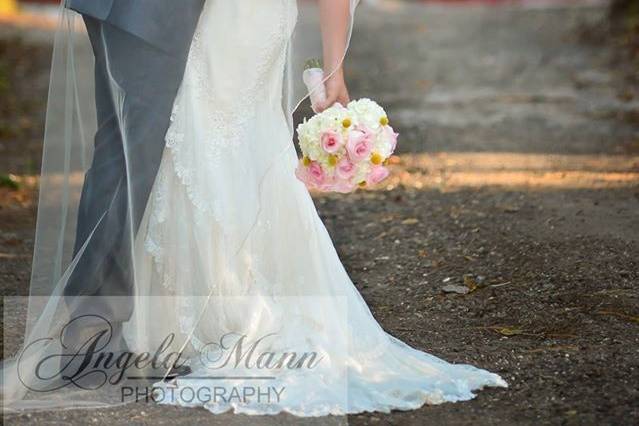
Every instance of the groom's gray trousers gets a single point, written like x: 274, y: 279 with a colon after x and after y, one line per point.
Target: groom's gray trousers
x: 138, y: 70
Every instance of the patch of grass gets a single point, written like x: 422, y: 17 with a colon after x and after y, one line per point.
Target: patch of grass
x: 9, y: 181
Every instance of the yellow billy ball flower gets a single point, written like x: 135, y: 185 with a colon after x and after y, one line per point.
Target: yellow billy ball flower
x: 306, y: 161
x: 383, y: 121
x: 332, y: 160
x: 376, y: 158
x: 346, y: 123
x: 362, y: 184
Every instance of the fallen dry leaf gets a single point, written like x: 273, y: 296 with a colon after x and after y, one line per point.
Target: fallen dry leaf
x: 508, y: 331
x: 470, y: 282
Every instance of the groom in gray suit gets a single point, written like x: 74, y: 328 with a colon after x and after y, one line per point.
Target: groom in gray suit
x: 140, y: 49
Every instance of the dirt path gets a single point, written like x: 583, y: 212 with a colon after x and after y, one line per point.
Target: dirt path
x: 519, y: 164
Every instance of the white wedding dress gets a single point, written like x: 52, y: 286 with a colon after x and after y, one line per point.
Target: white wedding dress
x: 229, y: 228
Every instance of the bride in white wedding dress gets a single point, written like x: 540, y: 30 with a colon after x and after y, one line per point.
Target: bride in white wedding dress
x: 232, y: 240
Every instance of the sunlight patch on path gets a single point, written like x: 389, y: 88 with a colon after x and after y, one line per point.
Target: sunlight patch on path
x: 450, y: 171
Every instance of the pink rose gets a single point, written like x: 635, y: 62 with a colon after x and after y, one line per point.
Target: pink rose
x: 302, y: 174
x: 312, y: 175
x: 392, y: 137
x: 343, y: 186
x: 331, y: 141
x: 377, y: 174
x: 316, y: 174
x: 345, y: 169
x: 359, y: 144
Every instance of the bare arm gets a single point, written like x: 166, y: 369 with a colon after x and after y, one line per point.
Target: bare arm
x: 335, y: 21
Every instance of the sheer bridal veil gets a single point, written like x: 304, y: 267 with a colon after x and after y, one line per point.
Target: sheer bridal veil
x: 117, y: 67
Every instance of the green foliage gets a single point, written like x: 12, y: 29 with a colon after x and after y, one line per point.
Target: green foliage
x: 313, y: 63
x: 8, y: 181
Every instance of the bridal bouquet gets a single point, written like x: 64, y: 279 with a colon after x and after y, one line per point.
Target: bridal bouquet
x: 345, y: 147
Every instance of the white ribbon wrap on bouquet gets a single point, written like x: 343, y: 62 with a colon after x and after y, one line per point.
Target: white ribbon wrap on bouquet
x: 314, y: 81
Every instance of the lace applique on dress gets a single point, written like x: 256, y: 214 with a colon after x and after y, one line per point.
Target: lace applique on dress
x: 226, y: 123
x: 208, y: 125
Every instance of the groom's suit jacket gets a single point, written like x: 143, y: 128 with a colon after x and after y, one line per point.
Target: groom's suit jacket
x: 163, y: 23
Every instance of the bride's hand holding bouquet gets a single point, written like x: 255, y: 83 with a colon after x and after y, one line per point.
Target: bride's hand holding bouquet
x: 346, y: 144
x: 335, y: 91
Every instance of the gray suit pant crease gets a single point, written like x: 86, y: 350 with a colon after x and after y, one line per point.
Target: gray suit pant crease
x: 135, y: 87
